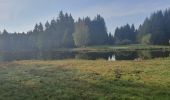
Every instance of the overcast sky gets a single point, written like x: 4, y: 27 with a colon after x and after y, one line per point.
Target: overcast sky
x: 21, y: 15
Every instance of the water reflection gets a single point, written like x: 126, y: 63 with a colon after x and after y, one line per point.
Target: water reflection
x: 93, y: 55
x: 126, y: 55
x: 111, y: 56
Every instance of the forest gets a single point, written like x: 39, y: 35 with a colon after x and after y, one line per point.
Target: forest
x: 65, y: 32
x: 62, y: 32
x: 155, y: 30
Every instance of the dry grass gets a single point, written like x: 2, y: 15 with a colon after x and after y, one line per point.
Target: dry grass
x: 85, y: 79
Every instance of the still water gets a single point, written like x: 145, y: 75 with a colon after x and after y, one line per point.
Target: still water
x: 112, y: 56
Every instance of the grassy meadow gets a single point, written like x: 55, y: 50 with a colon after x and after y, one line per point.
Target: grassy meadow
x: 85, y: 80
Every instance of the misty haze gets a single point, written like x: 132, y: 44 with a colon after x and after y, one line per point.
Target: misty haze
x: 84, y: 50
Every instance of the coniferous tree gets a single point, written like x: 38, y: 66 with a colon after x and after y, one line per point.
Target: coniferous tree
x: 110, y: 39
x: 157, y: 27
x: 58, y: 34
x: 125, y: 35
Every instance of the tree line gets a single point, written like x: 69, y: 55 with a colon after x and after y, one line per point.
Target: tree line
x: 65, y: 32
x: 125, y: 35
x: 155, y: 30
x: 62, y: 32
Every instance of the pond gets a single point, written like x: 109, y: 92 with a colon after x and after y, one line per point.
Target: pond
x: 111, y: 56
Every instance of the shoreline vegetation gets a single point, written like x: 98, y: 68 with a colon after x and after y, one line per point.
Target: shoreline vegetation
x: 107, y: 48
x: 85, y: 79
x: 122, y: 48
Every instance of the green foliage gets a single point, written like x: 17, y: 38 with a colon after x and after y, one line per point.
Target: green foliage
x: 145, y: 39
x: 92, y: 32
x: 125, y: 35
x: 145, y: 54
x: 155, y: 30
x: 111, y: 40
x: 81, y: 34
x: 58, y: 34
x: 157, y: 25
x: 98, y: 31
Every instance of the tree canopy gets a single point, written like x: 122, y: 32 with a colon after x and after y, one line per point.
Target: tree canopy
x: 62, y: 32
x: 65, y: 32
x: 125, y: 35
x: 156, y: 28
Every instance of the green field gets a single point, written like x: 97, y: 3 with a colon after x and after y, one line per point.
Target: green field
x: 85, y: 79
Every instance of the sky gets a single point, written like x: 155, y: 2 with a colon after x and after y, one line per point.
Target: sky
x: 22, y: 15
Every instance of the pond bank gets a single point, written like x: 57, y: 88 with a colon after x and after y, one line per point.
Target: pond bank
x: 120, y: 48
